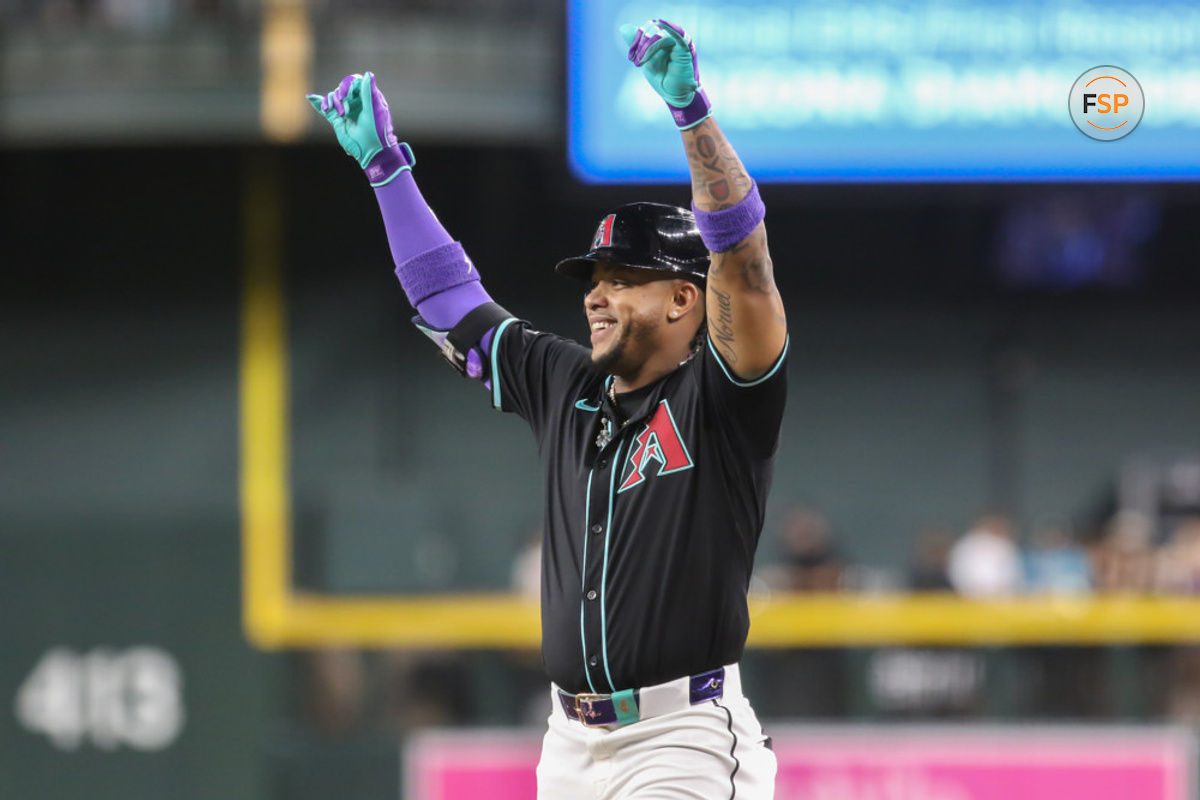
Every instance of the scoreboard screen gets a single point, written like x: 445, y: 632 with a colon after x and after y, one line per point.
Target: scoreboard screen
x: 893, y: 91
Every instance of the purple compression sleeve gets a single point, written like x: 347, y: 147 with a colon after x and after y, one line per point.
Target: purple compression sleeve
x: 721, y: 230
x: 434, y: 271
x: 411, y: 225
x: 429, y: 263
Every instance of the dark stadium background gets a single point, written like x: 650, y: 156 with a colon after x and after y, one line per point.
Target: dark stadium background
x: 932, y: 379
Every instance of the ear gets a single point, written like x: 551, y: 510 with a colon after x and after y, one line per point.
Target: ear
x: 684, y: 297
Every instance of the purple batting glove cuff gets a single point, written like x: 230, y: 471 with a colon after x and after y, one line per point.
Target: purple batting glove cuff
x: 436, y: 270
x: 390, y: 162
x: 693, y: 113
x: 721, y: 230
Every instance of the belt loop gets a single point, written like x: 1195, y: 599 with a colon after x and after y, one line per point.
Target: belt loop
x: 625, y: 706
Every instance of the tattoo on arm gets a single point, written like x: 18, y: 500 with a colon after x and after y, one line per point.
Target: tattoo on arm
x: 718, y: 262
x: 743, y: 272
x: 719, y: 180
x: 750, y: 260
x: 722, y: 327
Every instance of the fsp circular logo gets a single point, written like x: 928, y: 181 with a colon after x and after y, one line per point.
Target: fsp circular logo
x: 1106, y: 103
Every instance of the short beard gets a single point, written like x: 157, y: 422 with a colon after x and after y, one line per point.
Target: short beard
x: 606, y: 362
x: 610, y: 362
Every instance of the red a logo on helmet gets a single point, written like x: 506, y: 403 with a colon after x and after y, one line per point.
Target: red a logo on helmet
x: 603, y: 237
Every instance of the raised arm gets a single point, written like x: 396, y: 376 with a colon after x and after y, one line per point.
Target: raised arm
x: 746, y: 321
x: 441, y: 282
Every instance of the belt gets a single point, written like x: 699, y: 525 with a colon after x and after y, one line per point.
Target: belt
x: 625, y: 707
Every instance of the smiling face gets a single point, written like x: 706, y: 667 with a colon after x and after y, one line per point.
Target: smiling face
x: 628, y: 312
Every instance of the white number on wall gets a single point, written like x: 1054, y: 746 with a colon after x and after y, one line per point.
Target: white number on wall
x: 131, y: 697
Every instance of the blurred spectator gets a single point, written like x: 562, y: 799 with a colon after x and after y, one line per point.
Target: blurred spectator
x: 526, y: 574
x: 1123, y: 560
x: 334, y: 689
x: 427, y: 689
x: 807, y: 682
x: 1183, y: 699
x: 523, y: 668
x: 1056, y: 564
x: 928, y: 571
x: 985, y: 561
x: 1177, y: 563
x: 810, y: 562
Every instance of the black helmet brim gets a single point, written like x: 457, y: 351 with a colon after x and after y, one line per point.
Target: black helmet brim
x: 581, y: 267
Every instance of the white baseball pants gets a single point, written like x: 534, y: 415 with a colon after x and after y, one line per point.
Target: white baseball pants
x: 712, y: 750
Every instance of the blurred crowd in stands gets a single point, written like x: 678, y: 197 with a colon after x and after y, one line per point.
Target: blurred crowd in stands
x: 1127, y: 554
x: 346, y: 692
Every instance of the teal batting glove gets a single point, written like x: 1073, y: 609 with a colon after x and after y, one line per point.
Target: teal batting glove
x: 362, y: 121
x: 667, y: 58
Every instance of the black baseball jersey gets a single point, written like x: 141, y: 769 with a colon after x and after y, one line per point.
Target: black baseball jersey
x: 649, y: 540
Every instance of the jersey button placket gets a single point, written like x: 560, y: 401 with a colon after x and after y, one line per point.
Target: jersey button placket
x: 592, y: 610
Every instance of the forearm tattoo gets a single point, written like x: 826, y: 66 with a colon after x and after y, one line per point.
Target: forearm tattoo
x: 719, y: 181
x: 750, y: 260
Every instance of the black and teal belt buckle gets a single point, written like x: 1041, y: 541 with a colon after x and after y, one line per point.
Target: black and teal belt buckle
x: 598, y: 710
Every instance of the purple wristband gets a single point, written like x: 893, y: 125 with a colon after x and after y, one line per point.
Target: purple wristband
x: 390, y: 162
x: 721, y: 230
x: 436, y: 270
x: 693, y: 113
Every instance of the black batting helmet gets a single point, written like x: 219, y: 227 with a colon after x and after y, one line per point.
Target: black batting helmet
x: 646, y: 236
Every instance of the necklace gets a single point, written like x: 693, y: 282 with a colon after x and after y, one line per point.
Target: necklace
x: 607, y: 428
x: 605, y: 435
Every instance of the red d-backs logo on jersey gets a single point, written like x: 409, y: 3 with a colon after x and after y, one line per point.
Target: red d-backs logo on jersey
x: 659, y: 447
x: 603, y: 237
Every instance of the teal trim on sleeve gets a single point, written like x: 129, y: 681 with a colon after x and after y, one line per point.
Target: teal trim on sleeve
x: 496, y: 363
x: 389, y: 178
x: 625, y: 706
x: 746, y: 384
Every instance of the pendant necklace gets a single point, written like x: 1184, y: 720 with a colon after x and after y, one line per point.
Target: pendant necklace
x: 606, y: 427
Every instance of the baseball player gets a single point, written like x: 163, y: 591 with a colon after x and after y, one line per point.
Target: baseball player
x: 657, y: 444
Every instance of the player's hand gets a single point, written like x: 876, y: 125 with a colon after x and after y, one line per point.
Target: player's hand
x: 360, y: 117
x: 667, y: 58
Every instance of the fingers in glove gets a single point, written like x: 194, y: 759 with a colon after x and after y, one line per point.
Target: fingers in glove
x: 368, y: 89
x: 379, y: 102
x: 686, y: 51
x: 379, y: 110
x: 648, y: 42
x: 628, y: 32
x: 338, y: 96
x: 673, y: 30
x: 362, y: 92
